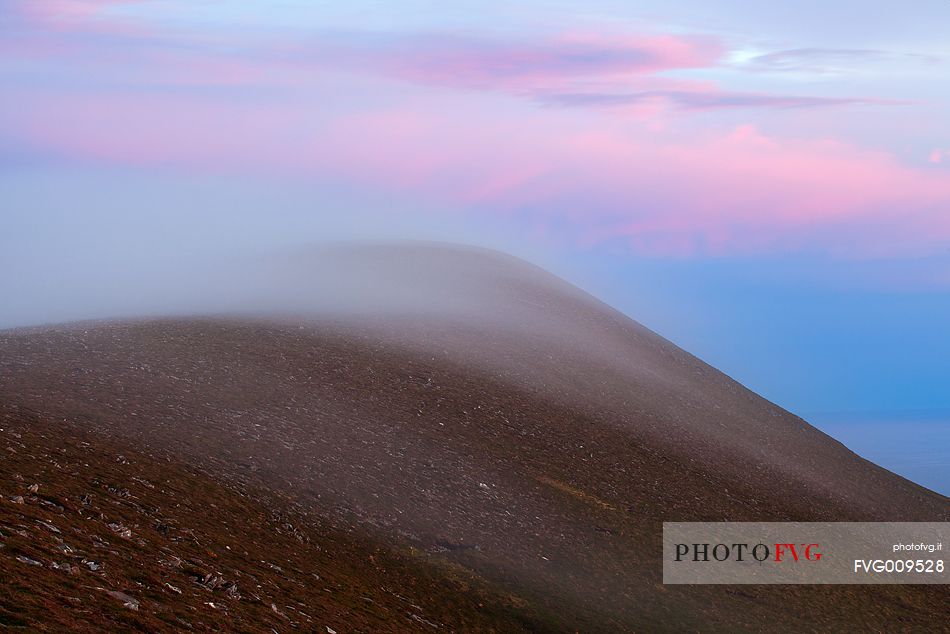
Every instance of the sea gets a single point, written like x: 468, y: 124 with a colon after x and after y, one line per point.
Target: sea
x: 914, y: 444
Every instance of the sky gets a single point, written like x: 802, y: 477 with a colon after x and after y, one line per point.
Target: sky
x: 766, y: 184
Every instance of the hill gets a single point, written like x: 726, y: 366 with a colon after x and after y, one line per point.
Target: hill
x: 486, y: 428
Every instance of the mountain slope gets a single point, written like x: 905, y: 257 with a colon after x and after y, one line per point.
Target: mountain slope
x: 113, y: 538
x: 484, y: 414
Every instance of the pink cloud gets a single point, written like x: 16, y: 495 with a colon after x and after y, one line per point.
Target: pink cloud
x: 64, y: 14
x: 747, y: 191
x: 571, y: 70
x: 620, y: 72
x: 697, y: 97
x: 734, y: 190
x: 525, y: 65
x: 628, y: 179
x: 441, y: 58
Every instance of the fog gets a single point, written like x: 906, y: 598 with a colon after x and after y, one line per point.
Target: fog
x: 98, y: 247
x: 113, y: 246
x: 95, y: 247
x: 102, y: 246
x: 177, y: 248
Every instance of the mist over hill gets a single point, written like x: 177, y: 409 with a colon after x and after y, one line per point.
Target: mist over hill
x: 471, y: 414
